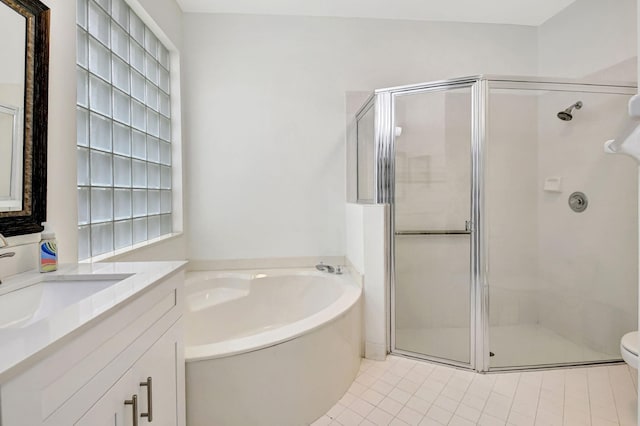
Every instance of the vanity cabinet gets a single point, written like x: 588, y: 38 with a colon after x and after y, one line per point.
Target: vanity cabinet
x: 159, y: 364
x: 87, y: 379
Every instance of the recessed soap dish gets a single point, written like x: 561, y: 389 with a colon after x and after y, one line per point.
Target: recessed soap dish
x: 553, y: 184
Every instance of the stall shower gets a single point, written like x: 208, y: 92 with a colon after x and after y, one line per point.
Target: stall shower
x: 512, y: 234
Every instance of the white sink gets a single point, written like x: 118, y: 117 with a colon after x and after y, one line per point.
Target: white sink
x: 47, y: 295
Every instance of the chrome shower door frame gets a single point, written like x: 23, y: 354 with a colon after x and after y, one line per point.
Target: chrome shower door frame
x: 385, y: 193
x: 489, y: 83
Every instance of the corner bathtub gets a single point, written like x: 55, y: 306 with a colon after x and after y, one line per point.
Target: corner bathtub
x: 276, y: 347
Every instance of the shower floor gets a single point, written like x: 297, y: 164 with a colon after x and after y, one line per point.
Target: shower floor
x: 513, y: 346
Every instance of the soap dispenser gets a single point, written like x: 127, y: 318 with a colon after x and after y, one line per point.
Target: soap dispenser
x: 48, y: 250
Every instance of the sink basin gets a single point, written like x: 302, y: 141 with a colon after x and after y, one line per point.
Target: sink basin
x: 29, y: 304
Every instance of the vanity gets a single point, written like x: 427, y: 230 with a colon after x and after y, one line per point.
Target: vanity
x: 93, y: 344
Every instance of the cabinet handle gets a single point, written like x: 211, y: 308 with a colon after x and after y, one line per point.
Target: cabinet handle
x: 133, y: 401
x: 149, y: 413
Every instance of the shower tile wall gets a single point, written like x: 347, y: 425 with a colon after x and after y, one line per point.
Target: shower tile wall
x: 588, y: 261
x: 511, y: 182
x: 559, y: 279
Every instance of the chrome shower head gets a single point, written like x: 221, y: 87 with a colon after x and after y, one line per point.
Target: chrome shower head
x: 566, y: 114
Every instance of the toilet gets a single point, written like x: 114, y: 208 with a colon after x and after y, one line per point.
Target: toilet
x: 629, y: 348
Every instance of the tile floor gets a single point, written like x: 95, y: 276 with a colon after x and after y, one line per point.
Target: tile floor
x: 401, y: 391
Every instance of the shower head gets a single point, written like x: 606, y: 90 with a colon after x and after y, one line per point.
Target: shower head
x: 566, y: 114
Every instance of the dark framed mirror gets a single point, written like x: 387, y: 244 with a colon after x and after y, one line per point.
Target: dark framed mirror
x: 24, y: 75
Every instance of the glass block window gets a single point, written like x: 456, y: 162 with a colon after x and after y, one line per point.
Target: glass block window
x: 124, y: 130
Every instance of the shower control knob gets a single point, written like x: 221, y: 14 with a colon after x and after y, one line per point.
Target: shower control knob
x: 578, y: 202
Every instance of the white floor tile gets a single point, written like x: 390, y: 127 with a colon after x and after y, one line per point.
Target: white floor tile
x: 607, y: 412
x: 577, y: 417
x: 441, y: 374
x: 401, y: 392
x: 595, y: 421
x: 506, y: 385
x: 524, y: 407
x: 498, y: 406
x: 545, y: 417
x: 555, y: 406
x: 349, y: 418
x: 322, y: 421
x: 416, y: 376
x: 391, y: 378
x: 410, y: 416
x: 401, y: 369
x: 439, y: 414
x: 460, y: 421
x: 517, y: 419
x: 475, y: 401
x: 427, y: 393
x: 347, y: 399
x: 372, y: 396
x: 377, y: 371
x: 453, y: 393
x: 446, y: 403
x: 361, y: 407
x: 357, y: 388
x: 479, y: 389
x: 397, y: 422
x: 487, y: 420
x: 408, y: 386
x: 468, y: 413
x: 382, y: 387
x: 379, y: 417
x: 391, y: 406
x: 418, y: 404
x: 399, y: 395
x: 429, y: 422
x: 460, y: 381
x: 366, y: 379
x: 335, y: 410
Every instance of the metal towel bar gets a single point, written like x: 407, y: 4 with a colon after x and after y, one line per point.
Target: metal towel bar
x: 435, y: 232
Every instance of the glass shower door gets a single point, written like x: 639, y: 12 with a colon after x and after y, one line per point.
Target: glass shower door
x: 432, y: 224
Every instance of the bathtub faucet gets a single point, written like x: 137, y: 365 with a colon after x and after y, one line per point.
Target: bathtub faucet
x: 327, y: 268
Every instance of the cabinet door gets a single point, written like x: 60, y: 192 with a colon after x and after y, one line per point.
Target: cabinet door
x: 161, y: 364
x: 110, y: 410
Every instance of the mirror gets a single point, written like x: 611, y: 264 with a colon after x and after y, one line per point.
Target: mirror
x: 24, y: 48
x: 12, y: 46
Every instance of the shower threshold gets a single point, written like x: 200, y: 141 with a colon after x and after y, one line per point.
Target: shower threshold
x: 514, y: 347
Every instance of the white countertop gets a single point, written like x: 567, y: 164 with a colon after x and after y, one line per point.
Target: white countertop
x: 17, y: 345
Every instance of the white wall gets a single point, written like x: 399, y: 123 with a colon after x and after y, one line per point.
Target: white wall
x: 265, y: 104
x: 366, y: 239
x: 354, y: 236
x: 62, y: 211
x: 586, y: 37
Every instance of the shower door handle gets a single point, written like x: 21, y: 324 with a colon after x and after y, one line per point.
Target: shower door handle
x: 435, y: 232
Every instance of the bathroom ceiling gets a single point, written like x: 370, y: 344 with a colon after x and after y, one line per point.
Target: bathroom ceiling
x: 519, y: 12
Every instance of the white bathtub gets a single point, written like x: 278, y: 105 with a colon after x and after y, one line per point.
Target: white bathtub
x: 275, y: 347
